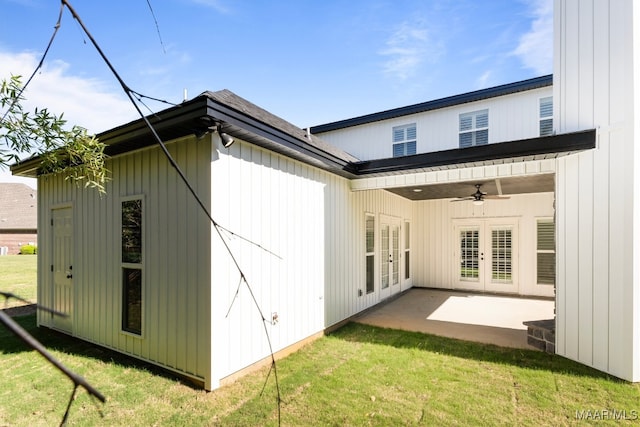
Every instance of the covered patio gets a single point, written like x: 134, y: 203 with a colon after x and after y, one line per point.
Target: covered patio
x: 485, y: 318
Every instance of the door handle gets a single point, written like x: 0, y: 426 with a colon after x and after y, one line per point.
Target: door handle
x: 69, y: 275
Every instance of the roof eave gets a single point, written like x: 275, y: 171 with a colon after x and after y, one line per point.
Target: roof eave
x: 450, y: 101
x: 196, y: 116
x: 549, y: 146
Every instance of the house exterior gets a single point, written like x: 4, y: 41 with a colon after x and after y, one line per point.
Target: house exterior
x: 18, y: 217
x: 354, y: 212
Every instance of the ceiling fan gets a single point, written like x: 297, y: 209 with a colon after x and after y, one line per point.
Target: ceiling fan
x: 478, y: 197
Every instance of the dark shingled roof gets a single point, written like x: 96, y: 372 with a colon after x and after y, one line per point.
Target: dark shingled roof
x: 240, y: 104
x: 18, y: 207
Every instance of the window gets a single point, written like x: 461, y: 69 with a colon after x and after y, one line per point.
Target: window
x: 546, y: 252
x: 132, y: 252
x: 474, y: 128
x: 404, y: 140
x: 501, y: 252
x: 469, y: 254
x: 546, y: 116
x: 407, y: 250
x: 370, y: 254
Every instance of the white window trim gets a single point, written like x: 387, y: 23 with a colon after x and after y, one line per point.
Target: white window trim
x: 544, y: 118
x: 369, y: 253
x: 474, y: 128
x: 405, y: 141
x: 407, y: 251
x: 140, y: 266
x: 543, y: 251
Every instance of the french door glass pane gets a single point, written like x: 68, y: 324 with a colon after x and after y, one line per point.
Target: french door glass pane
x: 384, y: 256
x: 396, y: 255
x: 469, y: 251
x: 501, y: 255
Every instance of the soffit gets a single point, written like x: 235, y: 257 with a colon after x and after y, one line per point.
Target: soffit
x: 539, y: 183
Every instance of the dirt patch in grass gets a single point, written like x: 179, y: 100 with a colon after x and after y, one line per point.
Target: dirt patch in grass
x: 23, y: 310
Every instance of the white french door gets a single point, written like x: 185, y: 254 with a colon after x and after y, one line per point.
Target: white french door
x: 486, y: 255
x: 62, y: 267
x: 389, y: 256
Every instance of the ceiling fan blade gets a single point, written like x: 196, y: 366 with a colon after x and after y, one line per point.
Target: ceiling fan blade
x: 496, y: 197
x: 462, y: 199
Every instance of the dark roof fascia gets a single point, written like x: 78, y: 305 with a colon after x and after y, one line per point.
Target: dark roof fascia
x: 506, y: 89
x: 172, y: 123
x: 554, y: 144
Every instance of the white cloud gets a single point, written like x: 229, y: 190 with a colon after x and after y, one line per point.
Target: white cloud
x: 5, y: 176
x: 214, y: 4
x: 482, y: 81
x: 535, y: 48
x: 407, y: 48
x: 85, y: 102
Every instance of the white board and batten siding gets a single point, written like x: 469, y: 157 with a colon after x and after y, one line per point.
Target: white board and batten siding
x: 511, y: 117
x: 313, y: 229
x: 596, y: 85
x: 176, y: 278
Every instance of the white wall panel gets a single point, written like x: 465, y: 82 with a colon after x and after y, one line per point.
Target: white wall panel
x: 175, y: 281
x: 314, y: 223
x: 511, y: 117
x: 596, y: 45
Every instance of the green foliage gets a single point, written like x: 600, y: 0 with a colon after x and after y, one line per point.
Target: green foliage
x: 72, y: 152
x: 28, y: 250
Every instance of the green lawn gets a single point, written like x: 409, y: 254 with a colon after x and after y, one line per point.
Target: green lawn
x: 18, y: 276
x: 359, y: 375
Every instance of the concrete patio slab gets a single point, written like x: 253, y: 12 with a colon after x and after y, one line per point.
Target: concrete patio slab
x: 492, y: 319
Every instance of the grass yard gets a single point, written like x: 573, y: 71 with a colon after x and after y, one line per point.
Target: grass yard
x: 18, y: 276
x: 360, y: 375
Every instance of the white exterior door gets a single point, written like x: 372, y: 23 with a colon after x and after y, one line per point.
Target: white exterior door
x: 486, y: 256
x: 389, y: 257
x: 62, y: 267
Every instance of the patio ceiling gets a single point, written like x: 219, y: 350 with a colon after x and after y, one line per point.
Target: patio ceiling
x: 540, y: 183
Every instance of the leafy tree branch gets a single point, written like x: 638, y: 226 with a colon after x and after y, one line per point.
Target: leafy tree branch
x: 73, y: 152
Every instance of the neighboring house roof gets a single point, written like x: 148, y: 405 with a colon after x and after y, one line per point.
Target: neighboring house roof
x: 506, y: 89
x: 18, y: 207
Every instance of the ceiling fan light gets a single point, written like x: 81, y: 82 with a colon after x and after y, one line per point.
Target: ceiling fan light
x: 479, y: 202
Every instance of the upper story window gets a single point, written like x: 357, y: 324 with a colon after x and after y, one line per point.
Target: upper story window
x: 404, y: 140
x: 474, y: 128
x: 546, y: 116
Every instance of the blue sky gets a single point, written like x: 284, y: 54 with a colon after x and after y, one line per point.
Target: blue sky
x: 309, y: 62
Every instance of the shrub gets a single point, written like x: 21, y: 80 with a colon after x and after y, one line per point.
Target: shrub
x: 28, y: 250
